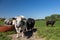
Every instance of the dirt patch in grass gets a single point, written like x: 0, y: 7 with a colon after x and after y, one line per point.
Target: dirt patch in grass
x: 28, y: 36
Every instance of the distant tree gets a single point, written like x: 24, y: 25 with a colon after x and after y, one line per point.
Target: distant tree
x: 47, y: 17
x: 37, y: 19
x: 2, y: 19
x: 53, y: 17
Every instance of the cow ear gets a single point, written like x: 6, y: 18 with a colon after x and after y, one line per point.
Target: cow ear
x: 14, y: 18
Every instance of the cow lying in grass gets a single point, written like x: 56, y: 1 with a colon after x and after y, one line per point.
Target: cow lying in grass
x: 50, y: 22
x: 8, y: 22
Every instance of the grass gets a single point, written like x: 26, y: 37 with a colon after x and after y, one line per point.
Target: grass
x: 1, y: 22
x: 49, y: 33
x: 4, y: 35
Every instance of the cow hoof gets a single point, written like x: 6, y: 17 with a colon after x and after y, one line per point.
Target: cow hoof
x: 17, y: 36
x: 22, y: 36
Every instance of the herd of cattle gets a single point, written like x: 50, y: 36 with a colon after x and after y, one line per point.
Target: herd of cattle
x: 21, y: 23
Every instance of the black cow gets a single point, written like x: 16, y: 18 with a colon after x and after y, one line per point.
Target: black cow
x: 50, y: 22
x: 30, y: 24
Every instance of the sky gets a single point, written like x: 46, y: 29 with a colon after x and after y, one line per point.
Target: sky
x: 37, y: 9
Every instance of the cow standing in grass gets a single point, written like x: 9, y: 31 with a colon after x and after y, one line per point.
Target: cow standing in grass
x: 50, y: 22
x: 20, y: 24
x: 30, y: 24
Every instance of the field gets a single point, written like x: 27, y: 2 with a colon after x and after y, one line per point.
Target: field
x: 49, y: 33
x: 3, y: 35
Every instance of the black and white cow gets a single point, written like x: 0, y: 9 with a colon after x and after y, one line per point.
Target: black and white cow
x: 20, y: 24
x: 8, y: 22
x: 30, y: 23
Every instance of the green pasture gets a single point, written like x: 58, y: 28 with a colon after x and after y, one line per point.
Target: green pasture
x: 49, y: 33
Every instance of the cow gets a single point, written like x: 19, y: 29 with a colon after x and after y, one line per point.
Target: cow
x: 20, y: 24
x: 8, y: 22
x: 50, y: 22
x: 30, y: 24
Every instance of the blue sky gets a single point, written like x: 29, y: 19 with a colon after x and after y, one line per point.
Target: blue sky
x: 36, y: 9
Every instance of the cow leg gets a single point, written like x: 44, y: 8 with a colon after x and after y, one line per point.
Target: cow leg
x: 47, y: 24
x: 18, y: 31
x: 22, y: 34
x: 52, y: 25
x: 23, y: 30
